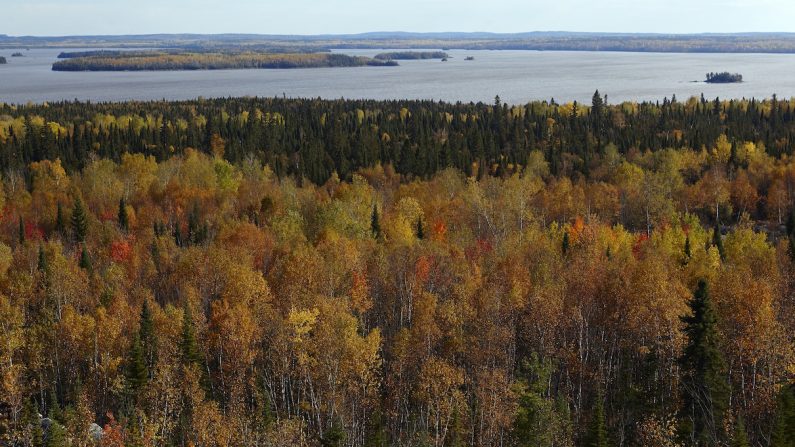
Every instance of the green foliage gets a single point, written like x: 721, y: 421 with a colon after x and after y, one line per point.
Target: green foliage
x: 85, y: 259
x: 717, y: 241
x: 784, y: 422
x: 57, y: 436
x: 596, y: 435
x: 375, y: 223
x: 79, y: 221
x: 540, y: 421
x: 740, y: 437
x: 705, y: 390
x: 136, y: 371
x: 148, y: 337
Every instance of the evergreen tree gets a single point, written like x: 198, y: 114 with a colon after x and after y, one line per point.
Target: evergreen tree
x: 79, y: 222
x: 375, y: 223
x: 56, y: 435
x: 420, y: 230
x: 34, y: 435
x: 146, y: 333
x: 124, y: 221
x: 21, y: 231
x: 740, y: 438
x: 688, y: 253
x: 717, y: 240
x: 136, y: 371
x: 42, y: 263
x: 333, y: 437
x: 565, y: 244
x: 60, y: 222
x: 85, y: 259
x: 705, y: 390
x: 188, y: 345
x: 784, y: 425
x: 597, y: 429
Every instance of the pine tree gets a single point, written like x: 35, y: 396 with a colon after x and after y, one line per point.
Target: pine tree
x: 56, y: 435
x: 565, y: 244
x: 740, y: 438
x: 420, y: 231
x: 688, y: 253
x: 705, y: 390
x: 60, y: 222
x: 124, y: 221
x: 136, y: 371
x: 597, y: 429
x: 79, y: 222
x: 188, y: 346
x: 146, y: 333
x: 85, y: 259
x: 717, y: 240
x: 375, y: 223
x: 32, y: 424
x: 784, y: 425
x: 333, y: 437
x: 42, y: 263
x: 21, y: 231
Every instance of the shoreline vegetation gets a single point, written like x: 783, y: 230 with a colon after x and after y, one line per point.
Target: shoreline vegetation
x: 412, y: 55
x: 166, y: 61
x: 724, y: 78
x: 541, y: 41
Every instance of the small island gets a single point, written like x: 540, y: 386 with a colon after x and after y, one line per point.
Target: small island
x: 2, y: 60
x: 412, y: 55
x: 724, y: 78
x: 17, y: 54
x: 163, y: 61
x: 470, y: 58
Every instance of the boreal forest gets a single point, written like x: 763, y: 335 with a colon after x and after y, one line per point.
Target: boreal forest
x: 299, y: 272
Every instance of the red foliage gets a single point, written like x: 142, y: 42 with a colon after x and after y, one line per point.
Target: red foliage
x: 120, y: 250
x: 33, y: 231
x: 422, y: 269
x: 640, y: 241
x: 438, y: 230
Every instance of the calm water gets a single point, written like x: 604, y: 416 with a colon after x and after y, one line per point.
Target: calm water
x: 516, y: 76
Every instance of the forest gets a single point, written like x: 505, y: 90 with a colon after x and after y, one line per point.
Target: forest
x: 410, y: 55
x: 301, y: 272
x: 724, y: 78
x: 186, y: 60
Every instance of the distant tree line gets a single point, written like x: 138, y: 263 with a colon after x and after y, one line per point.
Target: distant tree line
x: 724, y: 78
x: 410, y: 55
x: 211, y: 61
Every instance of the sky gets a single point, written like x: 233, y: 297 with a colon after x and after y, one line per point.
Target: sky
x: 91, y: 17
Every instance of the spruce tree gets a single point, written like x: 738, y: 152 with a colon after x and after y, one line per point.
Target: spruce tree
x: 124, y: 220
x: 375, y: 223
x: 56, y: 435
x: 21, y: 231
x: 717, y: 240
x: 420, y: 231
x: 32, y: 423
x: 688, y: 253
x: 79, y: 222
x: 188, y: 345
x: 564, y: 246
x: 60, y: 222
x: 705, y: 390
x: 42, y: 263
x: 136, y: 372
x: 146, y: 333
x: 784, y: 424
x: 597, y: 429
x: 740, y: 437
x: 85, y: 259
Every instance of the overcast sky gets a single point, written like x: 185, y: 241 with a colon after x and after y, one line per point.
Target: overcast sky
x: 73, y: 17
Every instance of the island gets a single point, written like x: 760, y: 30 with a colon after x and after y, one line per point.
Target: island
x: 412, y: 55
x: 469, y: 58
x: 17, y: 54
x: 2, y: 60
x: 724, y: 78
x: 164, y: 60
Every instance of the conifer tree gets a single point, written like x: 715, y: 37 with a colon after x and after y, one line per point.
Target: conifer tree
x: 42, y: 263
x: 146, y: 333
x: 85, y: 259
x: 717, y: 240
x: 597, y: 430
x: 79, y: 222
x: 784, y: 424
x: 32, y: 424
x: 60, y: 222
x: 688, y: 253
x: 124, y: 221
x: 375, y: 223
x: 136, y: 373
x: 705, y: 390
x: 21, y: 231
x: 420, y: 231
x: 740, y: 437
x: 565, y: 244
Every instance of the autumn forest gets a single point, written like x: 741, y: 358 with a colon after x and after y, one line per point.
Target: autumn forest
x: 300, y: 272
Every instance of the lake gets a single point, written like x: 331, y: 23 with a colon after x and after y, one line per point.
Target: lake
x: 516, y: 76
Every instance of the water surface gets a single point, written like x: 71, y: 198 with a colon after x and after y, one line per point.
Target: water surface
x: 516, y: 76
